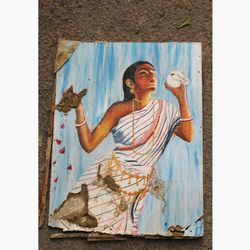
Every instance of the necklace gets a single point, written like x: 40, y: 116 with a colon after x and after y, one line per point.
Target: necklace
x: 133, y: 131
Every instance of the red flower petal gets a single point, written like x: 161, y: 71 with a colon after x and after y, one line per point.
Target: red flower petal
x: 58, y: 141
x: 69, y: 167
x: 56, y: 180
x: 55, y: 210
x: 62, y: 126
x: 62, y: 150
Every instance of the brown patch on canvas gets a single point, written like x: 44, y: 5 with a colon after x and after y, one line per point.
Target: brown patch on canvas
x: 123, y: 205
x: 85, y: 221
x: 75, y: 209
x: 110, y: 182
x: 176, y: 231
x: 70, y: 100
x: 159, y: 189
x: 107, y: 181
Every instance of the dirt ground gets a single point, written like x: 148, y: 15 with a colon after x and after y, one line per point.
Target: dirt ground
x: 125, y: 20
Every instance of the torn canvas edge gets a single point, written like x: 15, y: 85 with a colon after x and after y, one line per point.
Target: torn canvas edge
x: 64, y: 52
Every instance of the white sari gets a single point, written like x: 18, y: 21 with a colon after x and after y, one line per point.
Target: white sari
x: 140, y: 137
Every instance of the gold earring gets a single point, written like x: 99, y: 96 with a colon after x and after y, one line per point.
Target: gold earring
x: 132, y: 91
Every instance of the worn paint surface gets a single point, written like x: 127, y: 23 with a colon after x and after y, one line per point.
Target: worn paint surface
x: 175, y: 200
x: 64, y: 52
x: 70, y: 100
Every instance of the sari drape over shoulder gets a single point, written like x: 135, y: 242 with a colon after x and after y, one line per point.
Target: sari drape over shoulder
x: 119, y: 181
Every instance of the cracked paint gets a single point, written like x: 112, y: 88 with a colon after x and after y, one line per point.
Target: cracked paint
x: 75, y: 209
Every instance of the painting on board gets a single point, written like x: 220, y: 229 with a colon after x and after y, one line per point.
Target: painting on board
x: 127, y: 139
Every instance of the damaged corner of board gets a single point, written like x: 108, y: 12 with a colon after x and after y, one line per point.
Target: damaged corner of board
x: 64, y: 52
x: 126, y: 155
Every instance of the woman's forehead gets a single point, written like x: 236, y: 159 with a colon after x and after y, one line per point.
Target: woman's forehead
x: 145, y: 66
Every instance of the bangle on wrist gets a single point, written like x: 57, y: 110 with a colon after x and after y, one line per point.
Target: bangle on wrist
x: 80, y: 124
x: 186, y: 119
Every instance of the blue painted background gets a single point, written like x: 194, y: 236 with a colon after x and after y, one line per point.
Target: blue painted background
x: 99, y: 68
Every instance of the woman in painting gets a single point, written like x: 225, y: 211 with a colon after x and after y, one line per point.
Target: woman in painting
x: 109, y: 196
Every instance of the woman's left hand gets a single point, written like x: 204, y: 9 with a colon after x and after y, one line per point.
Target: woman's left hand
x: 179, y: 92
x: 184, y: 130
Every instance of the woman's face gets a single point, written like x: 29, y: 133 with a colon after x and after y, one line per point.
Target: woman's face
x: 145, y: 78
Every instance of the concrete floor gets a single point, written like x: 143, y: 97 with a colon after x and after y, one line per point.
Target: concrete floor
x: 125, y: 20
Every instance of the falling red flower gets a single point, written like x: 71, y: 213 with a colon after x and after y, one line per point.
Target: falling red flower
x: 56, y: 180
x: 55, y: 210
x: 69, y: 167
x: 62, y: 126
x: 62, y: 150
x: 58, y: 141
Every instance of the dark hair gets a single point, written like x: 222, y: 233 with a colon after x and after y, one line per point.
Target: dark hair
x: 129, y: 74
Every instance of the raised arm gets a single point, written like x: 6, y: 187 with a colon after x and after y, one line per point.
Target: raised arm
x: 185, y: 129
x: 90, y: 140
